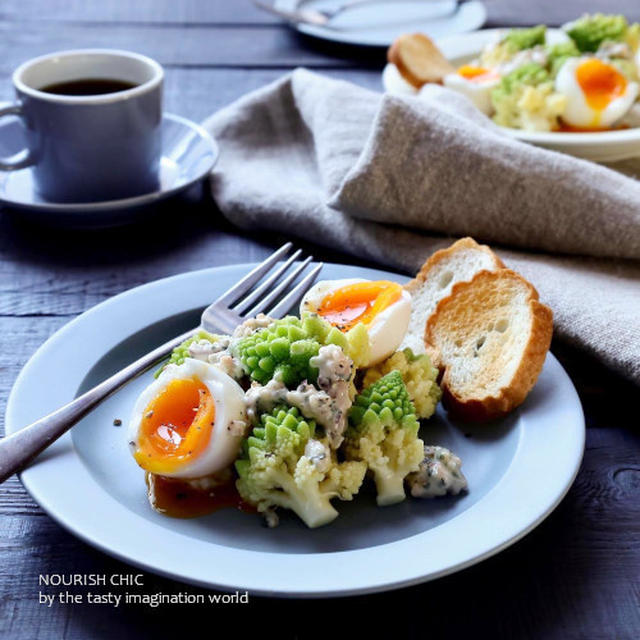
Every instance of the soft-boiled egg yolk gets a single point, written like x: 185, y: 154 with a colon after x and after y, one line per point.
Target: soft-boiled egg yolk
x: 383, y: 307
x: 176, y: 426
x: 189, y: 422
x: 476, y: 83
x: 601, y: 83
x: 358, y: 302
x: 476, y: 74
x: 597, y: 93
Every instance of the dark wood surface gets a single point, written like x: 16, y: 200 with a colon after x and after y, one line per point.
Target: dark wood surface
x: 577, y: 576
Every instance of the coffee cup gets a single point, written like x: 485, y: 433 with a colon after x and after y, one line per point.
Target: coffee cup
x: 92, y: 124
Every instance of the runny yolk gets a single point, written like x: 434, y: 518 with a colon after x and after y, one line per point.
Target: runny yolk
x: 600, y: 83
x: 476, y: 74
x: 176, y: 426
x: 359, y: 302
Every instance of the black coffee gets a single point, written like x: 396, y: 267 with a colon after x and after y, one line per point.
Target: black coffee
x: 88, y: 87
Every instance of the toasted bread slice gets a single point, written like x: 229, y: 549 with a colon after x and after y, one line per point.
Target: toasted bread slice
x: 460, y: 262
x: 489, y: 338
x: 418, y: 59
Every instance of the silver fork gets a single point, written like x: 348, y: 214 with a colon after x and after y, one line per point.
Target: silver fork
x: 273, y: 294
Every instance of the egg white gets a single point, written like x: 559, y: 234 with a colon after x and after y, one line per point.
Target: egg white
x: 577, y: 112
x: 228, y: 398
x: 478, y: 92
x: 386, y: 330
x: 395, y: 84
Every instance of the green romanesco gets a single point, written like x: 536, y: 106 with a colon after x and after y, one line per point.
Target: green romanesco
x: 530, y: 74
x: 519, y: 39
x: 181, y: 352
x: 384, y: 434
x: 558, y: 54
x: 419, y: 377
x: 514, y: 41
x: 590, y: 31
x: 284, y: 348
x: 283, y: 464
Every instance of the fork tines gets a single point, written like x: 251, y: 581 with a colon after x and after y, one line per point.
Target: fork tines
x: 270, y: 287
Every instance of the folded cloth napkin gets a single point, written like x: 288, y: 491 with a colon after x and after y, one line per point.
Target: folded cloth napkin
x: 385, y: 178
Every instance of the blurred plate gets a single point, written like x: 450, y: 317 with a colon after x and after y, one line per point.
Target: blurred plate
x: 188, y: 154
x: 518, y: 469
x: 378, y: 25
x: 599, y: 146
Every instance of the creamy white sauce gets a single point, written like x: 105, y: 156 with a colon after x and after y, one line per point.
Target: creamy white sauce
x: 217, y: 354
x: 228, y: 364
x: 202, y: 349
x: 609, y: 50
x: 335, y: 371
x: 439, y: 474
x: 251, y: 325
x: 319, y: 454
x: 313, y: 404
x: 537, y: 54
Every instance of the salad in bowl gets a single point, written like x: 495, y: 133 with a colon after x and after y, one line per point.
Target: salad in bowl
x: 553, y: 87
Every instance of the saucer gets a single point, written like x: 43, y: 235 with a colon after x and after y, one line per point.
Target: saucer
x: 188, y: 155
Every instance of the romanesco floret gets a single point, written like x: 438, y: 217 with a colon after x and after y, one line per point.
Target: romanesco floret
x: 282, y: 464
x: 525, y: 99
x: 419, y: 377
x: 181, y: 352
x: 590, y: 31
x: 558, y: 54
x: 283, y: 349
x: 530, y: 74
x: 355, y: 342
x: 384, y: 434
x: 519, y: 39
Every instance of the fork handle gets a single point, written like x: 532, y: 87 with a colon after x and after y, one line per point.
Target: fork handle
x: 18, y: 449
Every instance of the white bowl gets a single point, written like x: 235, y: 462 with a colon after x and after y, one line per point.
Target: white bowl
x: 599, y: 146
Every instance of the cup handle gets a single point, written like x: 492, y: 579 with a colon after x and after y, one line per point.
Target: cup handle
x: 21, y: 159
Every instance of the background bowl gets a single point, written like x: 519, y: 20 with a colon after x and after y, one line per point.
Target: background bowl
x: 600, y: 146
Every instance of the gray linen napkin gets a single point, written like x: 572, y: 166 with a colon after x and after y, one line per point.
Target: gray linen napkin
x: 372, y: 175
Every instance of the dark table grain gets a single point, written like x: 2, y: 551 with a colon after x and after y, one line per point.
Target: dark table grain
x: 577, y: 576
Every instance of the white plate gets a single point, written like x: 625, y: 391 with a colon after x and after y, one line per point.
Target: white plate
x: 518, y: 470
x: 188, y: 154
x: 601, y: 146
x: 379, y: 24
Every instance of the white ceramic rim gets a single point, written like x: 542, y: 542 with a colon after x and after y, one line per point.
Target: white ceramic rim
x: 465, y: 45
x: 157, y: 77
x: 67, y: 491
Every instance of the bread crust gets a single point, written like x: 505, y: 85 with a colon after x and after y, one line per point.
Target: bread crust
x: 443, y: 254
x: 490, y: 407
x: 432, y: 67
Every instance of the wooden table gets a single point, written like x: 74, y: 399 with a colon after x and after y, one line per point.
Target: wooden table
x: 577, y: 576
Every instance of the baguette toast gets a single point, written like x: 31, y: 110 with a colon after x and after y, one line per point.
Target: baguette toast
x: 418, y: 59
x: 489, y: 338
x: 459, y: 262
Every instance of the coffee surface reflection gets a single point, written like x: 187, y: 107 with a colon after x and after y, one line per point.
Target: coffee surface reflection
x: 88, y: 87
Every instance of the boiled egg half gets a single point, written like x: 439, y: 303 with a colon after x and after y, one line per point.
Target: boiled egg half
x: 189, y: 422
x: 476, y: 83
x: 384, y: 308
x: 597, y: 93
